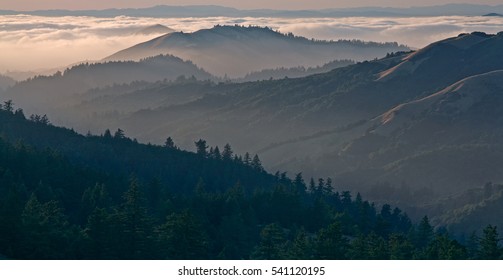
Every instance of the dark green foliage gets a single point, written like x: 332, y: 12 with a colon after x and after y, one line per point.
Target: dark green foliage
x: 66, y: 196
x: 444, y: 248
x: 301, y: 247
x: 272, y: 243
x: 201, y: 148
x: 400, y: 247
x: 170, y: 144
x: 331, y: 244
x: 182, y: 238
x: 489, y: 248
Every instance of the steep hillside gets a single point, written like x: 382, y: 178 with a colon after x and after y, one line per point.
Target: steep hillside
x: 252, y: 49
x: 450, y: 140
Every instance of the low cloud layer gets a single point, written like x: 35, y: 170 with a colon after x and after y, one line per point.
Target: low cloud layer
x: 31, y: 42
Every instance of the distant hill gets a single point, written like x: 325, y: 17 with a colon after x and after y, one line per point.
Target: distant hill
x: 78, y: 79
x: 253, y: 49
x: 328, y: 124
x: 411, y: 128
x: 215, y: 11
x: 294, y: 72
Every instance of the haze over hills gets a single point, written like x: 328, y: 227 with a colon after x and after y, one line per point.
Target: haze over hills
x: 289, y: 134
x: 327, y: 124
x: 63, y: 87
x: 424, y: 123
x: 252, y: 49
x: 216, y: 11
x: 69, y: 196
x: 323, y: 125
x: 293, y: 72
x: 6, y: 82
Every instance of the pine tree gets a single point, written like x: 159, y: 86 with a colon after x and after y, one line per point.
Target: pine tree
x: 201, y: 148
x: 400, y: 247
x: 119, y: 134
x: 108, y: 134
x: 472, y: 246
x: 216, y: 153
x: 8, y: 106
x: 227, y: 153
x: 299, y: 183
x: 46, y: 233
x: 272, y: 242
x: 424, y: 233
x: 247, y: 159
x: 312, y: 186
x: 182, y: 238
x: 99, y: 233
x: 331, y: 244
x: 169, y: 143
x: 489, y: 248
x: 328, y: 189
x: 256, y: 163
x: 443, y: 248
x: 321, y: 186
x: 135, y: 223
x: 44, y: 120
x: 301, y: 247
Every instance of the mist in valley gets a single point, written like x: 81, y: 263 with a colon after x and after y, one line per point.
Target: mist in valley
x: 404, y: 110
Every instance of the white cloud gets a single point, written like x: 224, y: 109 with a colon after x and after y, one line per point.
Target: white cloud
x: 31, y: 42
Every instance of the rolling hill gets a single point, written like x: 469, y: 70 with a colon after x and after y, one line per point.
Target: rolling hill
x: 425, y: 122
x: 252, y: 49
x: 44, y: 92
x: 329, y: 125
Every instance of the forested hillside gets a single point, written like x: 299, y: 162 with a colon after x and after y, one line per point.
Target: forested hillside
x: 68, y: 196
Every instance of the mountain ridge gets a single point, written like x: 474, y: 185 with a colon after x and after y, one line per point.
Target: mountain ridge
x: 213, y: 10
x: 327, y: 124
x: 253, y: 48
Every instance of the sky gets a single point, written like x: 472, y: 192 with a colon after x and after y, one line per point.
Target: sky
x: 255, y: 4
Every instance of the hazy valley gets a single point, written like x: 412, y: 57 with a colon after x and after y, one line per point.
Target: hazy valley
x: 277, y: 121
